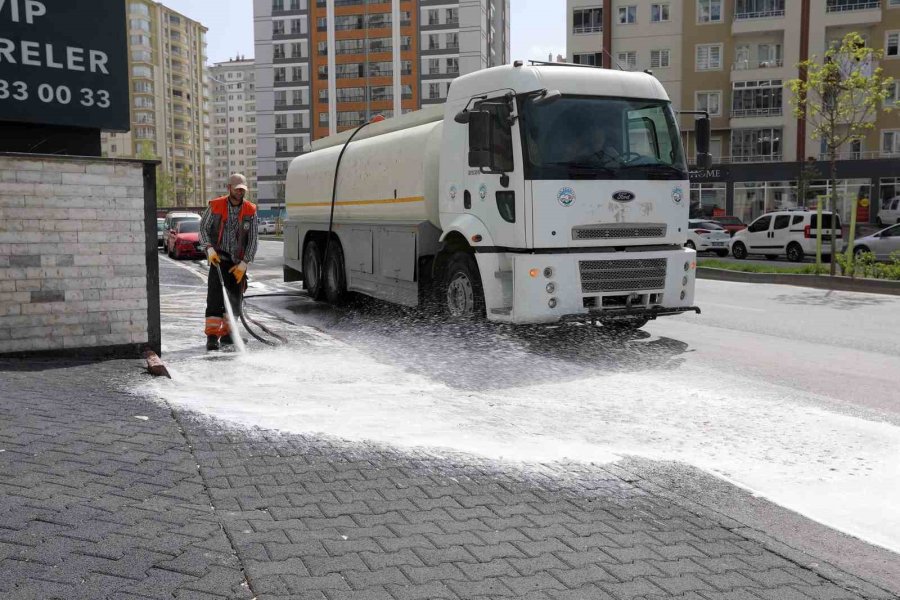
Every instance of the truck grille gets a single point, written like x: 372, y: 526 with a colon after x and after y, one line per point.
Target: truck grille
x: 622, y: 275
x: 617, y: 231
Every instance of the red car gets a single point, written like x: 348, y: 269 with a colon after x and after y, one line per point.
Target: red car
x: 731, y: 224
x: 185, y: 241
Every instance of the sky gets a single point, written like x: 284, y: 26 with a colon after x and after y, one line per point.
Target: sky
x: 538, y: 27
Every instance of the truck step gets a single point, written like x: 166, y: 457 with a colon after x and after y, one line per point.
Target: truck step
x: 506, y: 310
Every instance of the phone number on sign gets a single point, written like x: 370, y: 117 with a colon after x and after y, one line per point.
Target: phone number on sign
x: 46, y: 93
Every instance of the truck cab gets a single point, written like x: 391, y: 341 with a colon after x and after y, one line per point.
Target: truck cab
x: 575, y: 173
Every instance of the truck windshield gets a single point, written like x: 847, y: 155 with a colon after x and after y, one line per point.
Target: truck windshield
x: 590, y: 137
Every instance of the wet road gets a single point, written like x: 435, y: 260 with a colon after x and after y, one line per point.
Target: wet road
x: 787, y: 391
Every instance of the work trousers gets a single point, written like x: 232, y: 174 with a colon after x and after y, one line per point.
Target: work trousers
x: 216, y: 317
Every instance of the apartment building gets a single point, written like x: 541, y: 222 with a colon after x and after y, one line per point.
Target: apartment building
x: 325, y: 66
x: 733, y: 58
x: 169, y: 100
x: 233, y: 139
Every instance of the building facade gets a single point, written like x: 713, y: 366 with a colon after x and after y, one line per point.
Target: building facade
x: 233, y: 139
x: 169, y: 101
x: 734, y: 58
x: 325, y: 66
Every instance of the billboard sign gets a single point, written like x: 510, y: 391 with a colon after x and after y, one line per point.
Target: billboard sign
x: 64, y: 62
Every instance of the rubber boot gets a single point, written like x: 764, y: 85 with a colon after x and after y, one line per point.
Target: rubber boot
x: 212, y: 342
x: 226, y: 340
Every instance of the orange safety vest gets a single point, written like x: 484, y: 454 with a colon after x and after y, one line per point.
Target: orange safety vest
x: 219, y: 209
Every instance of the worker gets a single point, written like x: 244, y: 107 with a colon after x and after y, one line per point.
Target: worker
x: 229, y: 237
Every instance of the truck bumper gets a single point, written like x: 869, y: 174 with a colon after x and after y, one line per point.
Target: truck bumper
x: 548, y: 288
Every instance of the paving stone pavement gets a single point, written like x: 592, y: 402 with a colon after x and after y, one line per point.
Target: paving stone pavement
x: 106, y: 495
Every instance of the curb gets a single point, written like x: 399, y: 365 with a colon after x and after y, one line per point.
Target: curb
x: 822, y: 282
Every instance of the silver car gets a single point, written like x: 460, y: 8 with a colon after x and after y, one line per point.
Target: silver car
x: 882, y: 244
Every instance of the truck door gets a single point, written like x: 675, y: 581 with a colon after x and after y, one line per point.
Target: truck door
x: 496, y: 194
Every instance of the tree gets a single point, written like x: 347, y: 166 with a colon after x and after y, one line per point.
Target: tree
x: 165, y: 186
x: 839, y: 99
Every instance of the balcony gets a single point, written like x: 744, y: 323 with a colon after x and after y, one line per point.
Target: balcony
x: 759, y: 14
x: 774, y: 111
x: 746, y: 65
x: 846, y: 13
x: 851, y: 5
x: 587, y: 29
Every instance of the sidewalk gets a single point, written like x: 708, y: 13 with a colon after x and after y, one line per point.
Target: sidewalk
x: 107, y: 495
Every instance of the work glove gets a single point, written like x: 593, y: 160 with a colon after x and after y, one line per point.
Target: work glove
x: 212, y: 256
x: 238, y: 271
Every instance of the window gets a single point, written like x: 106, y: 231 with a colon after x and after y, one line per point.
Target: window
x: 627, y: 15
x: 798, y: 220
x: 758, y: 9
x: 453, y: 40
x: 749, y: 145
x: 756, y: 98
x: 709, y: 11
x: 277, y: 27
x: 434, y: 66
x: 280, y: 74
x: 434, y: 16
x: 277, y: 5
x: 501, y: 135
x: 659, y: 59
x: 592, y: 58
x: 893, y: 93
x: 434, y: 91
x: 452, y: 16
x: 711, y: 102
x: 659, y: 13
x: 434, y: 41
x: 890, y: 142
x: 892, y: 44
x: 587, y: 20
x: 761, y: 224
x: 627, y: 60
x: 782, y: 221
x: 453, y: 66
x: 709, y: 57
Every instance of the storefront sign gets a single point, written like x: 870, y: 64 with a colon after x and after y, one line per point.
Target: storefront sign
x: 64, y: 62
x: 709, y: 175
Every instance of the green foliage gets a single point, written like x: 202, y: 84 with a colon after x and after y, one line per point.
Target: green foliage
x: 840, y: 96
x: 865, y: 265
x: 754, y: 268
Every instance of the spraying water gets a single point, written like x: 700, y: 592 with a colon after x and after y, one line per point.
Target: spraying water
x: 232, y: 322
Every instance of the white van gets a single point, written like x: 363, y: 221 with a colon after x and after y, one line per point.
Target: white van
x: 790, y: 233
x: 889, y: 212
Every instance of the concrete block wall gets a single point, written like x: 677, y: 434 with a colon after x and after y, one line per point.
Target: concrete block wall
x: 73, y: 254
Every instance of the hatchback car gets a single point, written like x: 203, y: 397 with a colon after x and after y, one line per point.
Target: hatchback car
x: 266, y: 227
x: 705, y: 236
x: 790, y: 233
x: 184, y: 242
x: 890, y: 211
x: 172, y: 220
x: 731, y: 224
x: 882, y: 243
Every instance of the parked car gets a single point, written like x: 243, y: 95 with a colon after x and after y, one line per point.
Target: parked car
x: 731, y: 224
x: 172, y: 220
x: 704, y: 235
x: 882, y: 243
x: 266, y: 227
x: 184, y: 242
x: 160, y: 231
x: 890, y: 212
x: 790, y: 233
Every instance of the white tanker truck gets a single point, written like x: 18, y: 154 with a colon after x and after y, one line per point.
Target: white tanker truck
x: 535, y: 194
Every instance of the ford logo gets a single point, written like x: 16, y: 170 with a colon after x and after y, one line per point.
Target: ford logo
x: 623, y: 196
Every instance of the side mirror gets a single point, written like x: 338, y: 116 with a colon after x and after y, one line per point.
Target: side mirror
x: 479, y: 138
x: 702, y: 130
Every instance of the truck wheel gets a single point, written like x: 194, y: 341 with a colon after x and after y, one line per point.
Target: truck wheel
x: 312, y: 261
x: 335, y: 278
x: 739, y: 250
x: 463, y: 294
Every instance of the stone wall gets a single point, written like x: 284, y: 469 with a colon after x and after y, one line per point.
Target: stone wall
x: 74, y: 260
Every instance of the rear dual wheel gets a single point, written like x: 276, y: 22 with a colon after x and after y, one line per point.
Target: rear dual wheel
x: 328, y: 281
